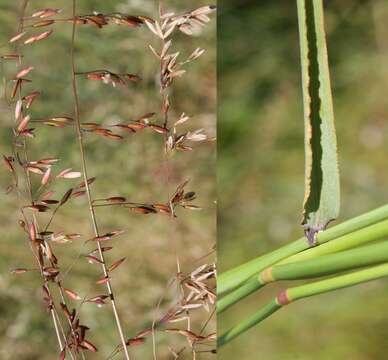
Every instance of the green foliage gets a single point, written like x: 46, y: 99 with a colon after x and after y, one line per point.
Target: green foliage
x: 260, y: 45
x: 322, y: 192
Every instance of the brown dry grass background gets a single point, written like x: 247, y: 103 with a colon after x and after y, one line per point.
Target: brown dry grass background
x: 132, y: 168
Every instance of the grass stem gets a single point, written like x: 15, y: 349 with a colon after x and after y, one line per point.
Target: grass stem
x: 87, y: 188
x: 234, y: 277
x: 327, y: 264
x: 300, y: 292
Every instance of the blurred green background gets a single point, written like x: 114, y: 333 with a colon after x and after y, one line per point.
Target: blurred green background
x: 261, y: 159
x: 133, y: 168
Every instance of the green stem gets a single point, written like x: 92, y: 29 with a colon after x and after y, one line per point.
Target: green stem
x: 245, y: 325
x: 243, y: 291
x: 327, y: 264
x: 234, y: 277
x: 303, y: 291
x: 87, y: 187
x: 338, y: 282
x: 348, y: 241
x: 362, y: 236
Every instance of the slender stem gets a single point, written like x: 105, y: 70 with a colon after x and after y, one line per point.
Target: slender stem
x: 303, y: 291
x: 120, y: 204
x: 234, y: 277
x: 328, y: 264
x: 68, y: 319
x: 85, y: 176
x: 55, y: 321
x: 54, y: 315
x: 338, y: 282
x: 243, y: 326
x: 366, y: 235
x: 243, y: 291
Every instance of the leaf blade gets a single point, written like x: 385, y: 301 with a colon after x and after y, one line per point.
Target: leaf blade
x: 322, y: 189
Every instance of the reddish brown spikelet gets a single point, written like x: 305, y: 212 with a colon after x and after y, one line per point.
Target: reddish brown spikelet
x: 62, y: 355
x: 11, y: 57
x: 18, y: 109
x: 50, y: 202
x: 108, y: 235
x: 113, y: 136
x: 163, y: 208
x: 116, y: 264
x: 99, y: 299
x: 66, y: 197
x: 23, y: 124
x: 89, y: 181
x: 42, y: 36
x: 89, y: 126
x: 136, y: 126
x: 17, y: 37
x: 59, y: 121
x: 135, y: 341
x: 50, y: 271
x: 35, y: 169
x: 78, y: 194
x: 103, y: 249
x: 144, y: 209
x: 132, y: 77
x: 48, y: 161
x: 38, y: 207
x: 32, y: 232
x: 27, y: 133
x: 88, y: 345
x: 116, y: 199
x: 102, y: 281
x: 30, y: 98
x: 73, y: 236
x: 46, y: 176
x: 116, y: 232
x: 46, y: 13
x: 125, y: 128
x: 95, y: 75
x: 131, y: 21
x: 158, y: 129
x: 83, y: 330
x: 43, y: 23
x: 24, y: 72
x: 69, y: 174
x: 102, y: 238
x: 18, y: 271
x: 73, y: 295
x: 93, y: 259
x: 98, y: 20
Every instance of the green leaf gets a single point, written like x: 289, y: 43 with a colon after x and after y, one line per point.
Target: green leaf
x: 322, y: 192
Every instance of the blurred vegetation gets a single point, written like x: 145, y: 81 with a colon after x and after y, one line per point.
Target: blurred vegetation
x: 260, y: 166
x: 134, y: 168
